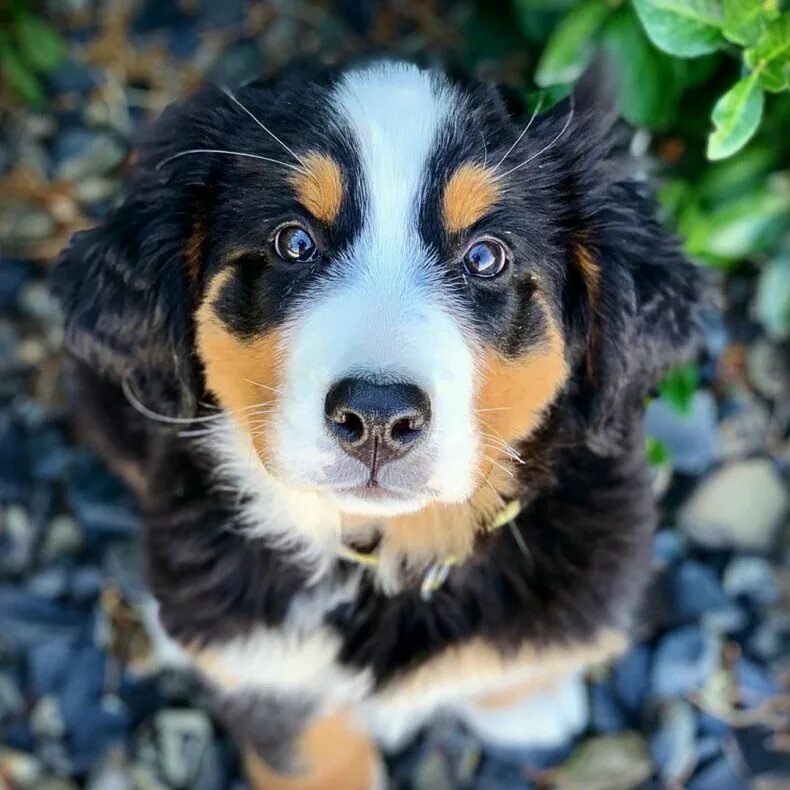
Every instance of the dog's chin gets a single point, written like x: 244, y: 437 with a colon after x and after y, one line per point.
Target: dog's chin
x: 376, y: 501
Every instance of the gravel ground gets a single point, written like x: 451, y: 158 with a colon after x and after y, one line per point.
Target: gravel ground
x: 701, y: 701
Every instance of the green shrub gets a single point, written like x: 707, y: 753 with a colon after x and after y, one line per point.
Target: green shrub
x: 29, y: 49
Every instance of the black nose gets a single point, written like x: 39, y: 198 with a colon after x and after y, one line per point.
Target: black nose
x: 376, y: 423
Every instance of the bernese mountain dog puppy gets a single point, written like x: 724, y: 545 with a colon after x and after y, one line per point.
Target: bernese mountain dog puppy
x: 372, y: 350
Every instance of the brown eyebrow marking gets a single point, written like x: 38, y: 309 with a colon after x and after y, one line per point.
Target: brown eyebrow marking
x: 469, y: 194
x: 320, y: 188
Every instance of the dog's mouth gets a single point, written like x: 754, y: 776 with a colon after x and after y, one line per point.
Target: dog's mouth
x: 378, y: 498
x: 374, y: 492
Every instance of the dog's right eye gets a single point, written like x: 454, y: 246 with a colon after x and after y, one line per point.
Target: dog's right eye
x: 294, y: 244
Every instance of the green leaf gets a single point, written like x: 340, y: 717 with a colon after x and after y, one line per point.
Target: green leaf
x: 750, y: 224
x: 571, y: 45
x: 649, y: 83
x: 685, y: 28
x: 736, y: 117
x: 773, y: 44
x: 39, y: 44
x: 775, y: 76
x: 679, y: 386
x: 656, y: 452
x: 743, y: 20
x: 21, y: 78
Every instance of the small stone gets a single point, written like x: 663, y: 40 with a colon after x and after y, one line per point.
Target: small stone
x: 31, y: 351
x: 607, y: 762
x: 752, y: 578
x: 18, y: 768
x: 11, y: 701
x: 768, y: 369
x: 718, y: 775
x: 669, y: 546
x: 672, y: 743
x: 86, y: 584
x: 743, y: 426
x: 755, y: 685
x: 95, y: 189
x: 63, y: 538
x: 80, y: 153
x: 17, y: 540
x: 48, y: 665
x: 631, y: 678
x: 695, y: 590
x: 433, y: 772
x: 683, y: 660
x: 771, y: 639
x: 51, y: 582
x: 738, y: 506
x: 46, y: 719
x: 37, y: 302
x: 15, y: 275
x: 74, y: 77
x: 772, y: 300
x: 690, y: 438
x: 183, y: 736
x: 112, y: 773
x: 606, y: 714
x: 23, y: 222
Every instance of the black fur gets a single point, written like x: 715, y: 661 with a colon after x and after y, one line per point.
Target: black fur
x: 589, y: 513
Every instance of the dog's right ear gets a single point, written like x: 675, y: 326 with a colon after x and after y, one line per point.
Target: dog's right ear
x: 125, y: 287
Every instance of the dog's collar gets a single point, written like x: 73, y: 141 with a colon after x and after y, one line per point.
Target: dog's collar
x: 437, y: 572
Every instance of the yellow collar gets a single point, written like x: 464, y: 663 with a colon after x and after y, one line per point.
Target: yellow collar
x: 437, y: 572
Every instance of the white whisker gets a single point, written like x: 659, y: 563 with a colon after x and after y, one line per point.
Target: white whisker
x: 526, y: 129
x: 518, y: 537
x: 140, y: 408
x: 189, y: 151
x: 496, y: 463
x: 268, y: 131
x: 264, y: 386
x: 545, y: 147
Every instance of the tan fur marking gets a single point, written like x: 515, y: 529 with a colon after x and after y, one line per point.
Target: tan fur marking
x: 334, y: 754
x: 469, y: 194
x: 515, y: 393
x: 194, y: 249
x: 591, y: 274
x: 480, y: 665
x: 240, y: 373
x: 320, y: 189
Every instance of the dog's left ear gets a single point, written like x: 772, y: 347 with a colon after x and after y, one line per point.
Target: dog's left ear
x: 632, y: 301
x: 124, y: 286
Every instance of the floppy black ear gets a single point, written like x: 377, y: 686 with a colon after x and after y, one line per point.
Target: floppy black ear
x: 124, y: 286
x: 633, y: 301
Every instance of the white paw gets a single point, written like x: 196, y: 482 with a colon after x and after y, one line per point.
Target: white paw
x: 544, y: 719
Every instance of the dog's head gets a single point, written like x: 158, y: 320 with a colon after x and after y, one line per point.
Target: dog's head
x: 382, y: 276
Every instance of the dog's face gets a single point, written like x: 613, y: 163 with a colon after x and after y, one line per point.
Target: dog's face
x: 386, y: 281
x: 379, y: 311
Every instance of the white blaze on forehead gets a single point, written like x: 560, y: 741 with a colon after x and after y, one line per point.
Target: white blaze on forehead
x: 396, y: 113
x: 384, y: 310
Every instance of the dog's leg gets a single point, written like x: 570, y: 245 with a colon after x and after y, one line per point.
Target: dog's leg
x: 330, y: 754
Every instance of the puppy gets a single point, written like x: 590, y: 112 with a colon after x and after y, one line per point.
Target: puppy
x: 372, y: 349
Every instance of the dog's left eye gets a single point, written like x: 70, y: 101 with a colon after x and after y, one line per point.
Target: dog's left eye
x: 485, y: 258
x: 294, y: 243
